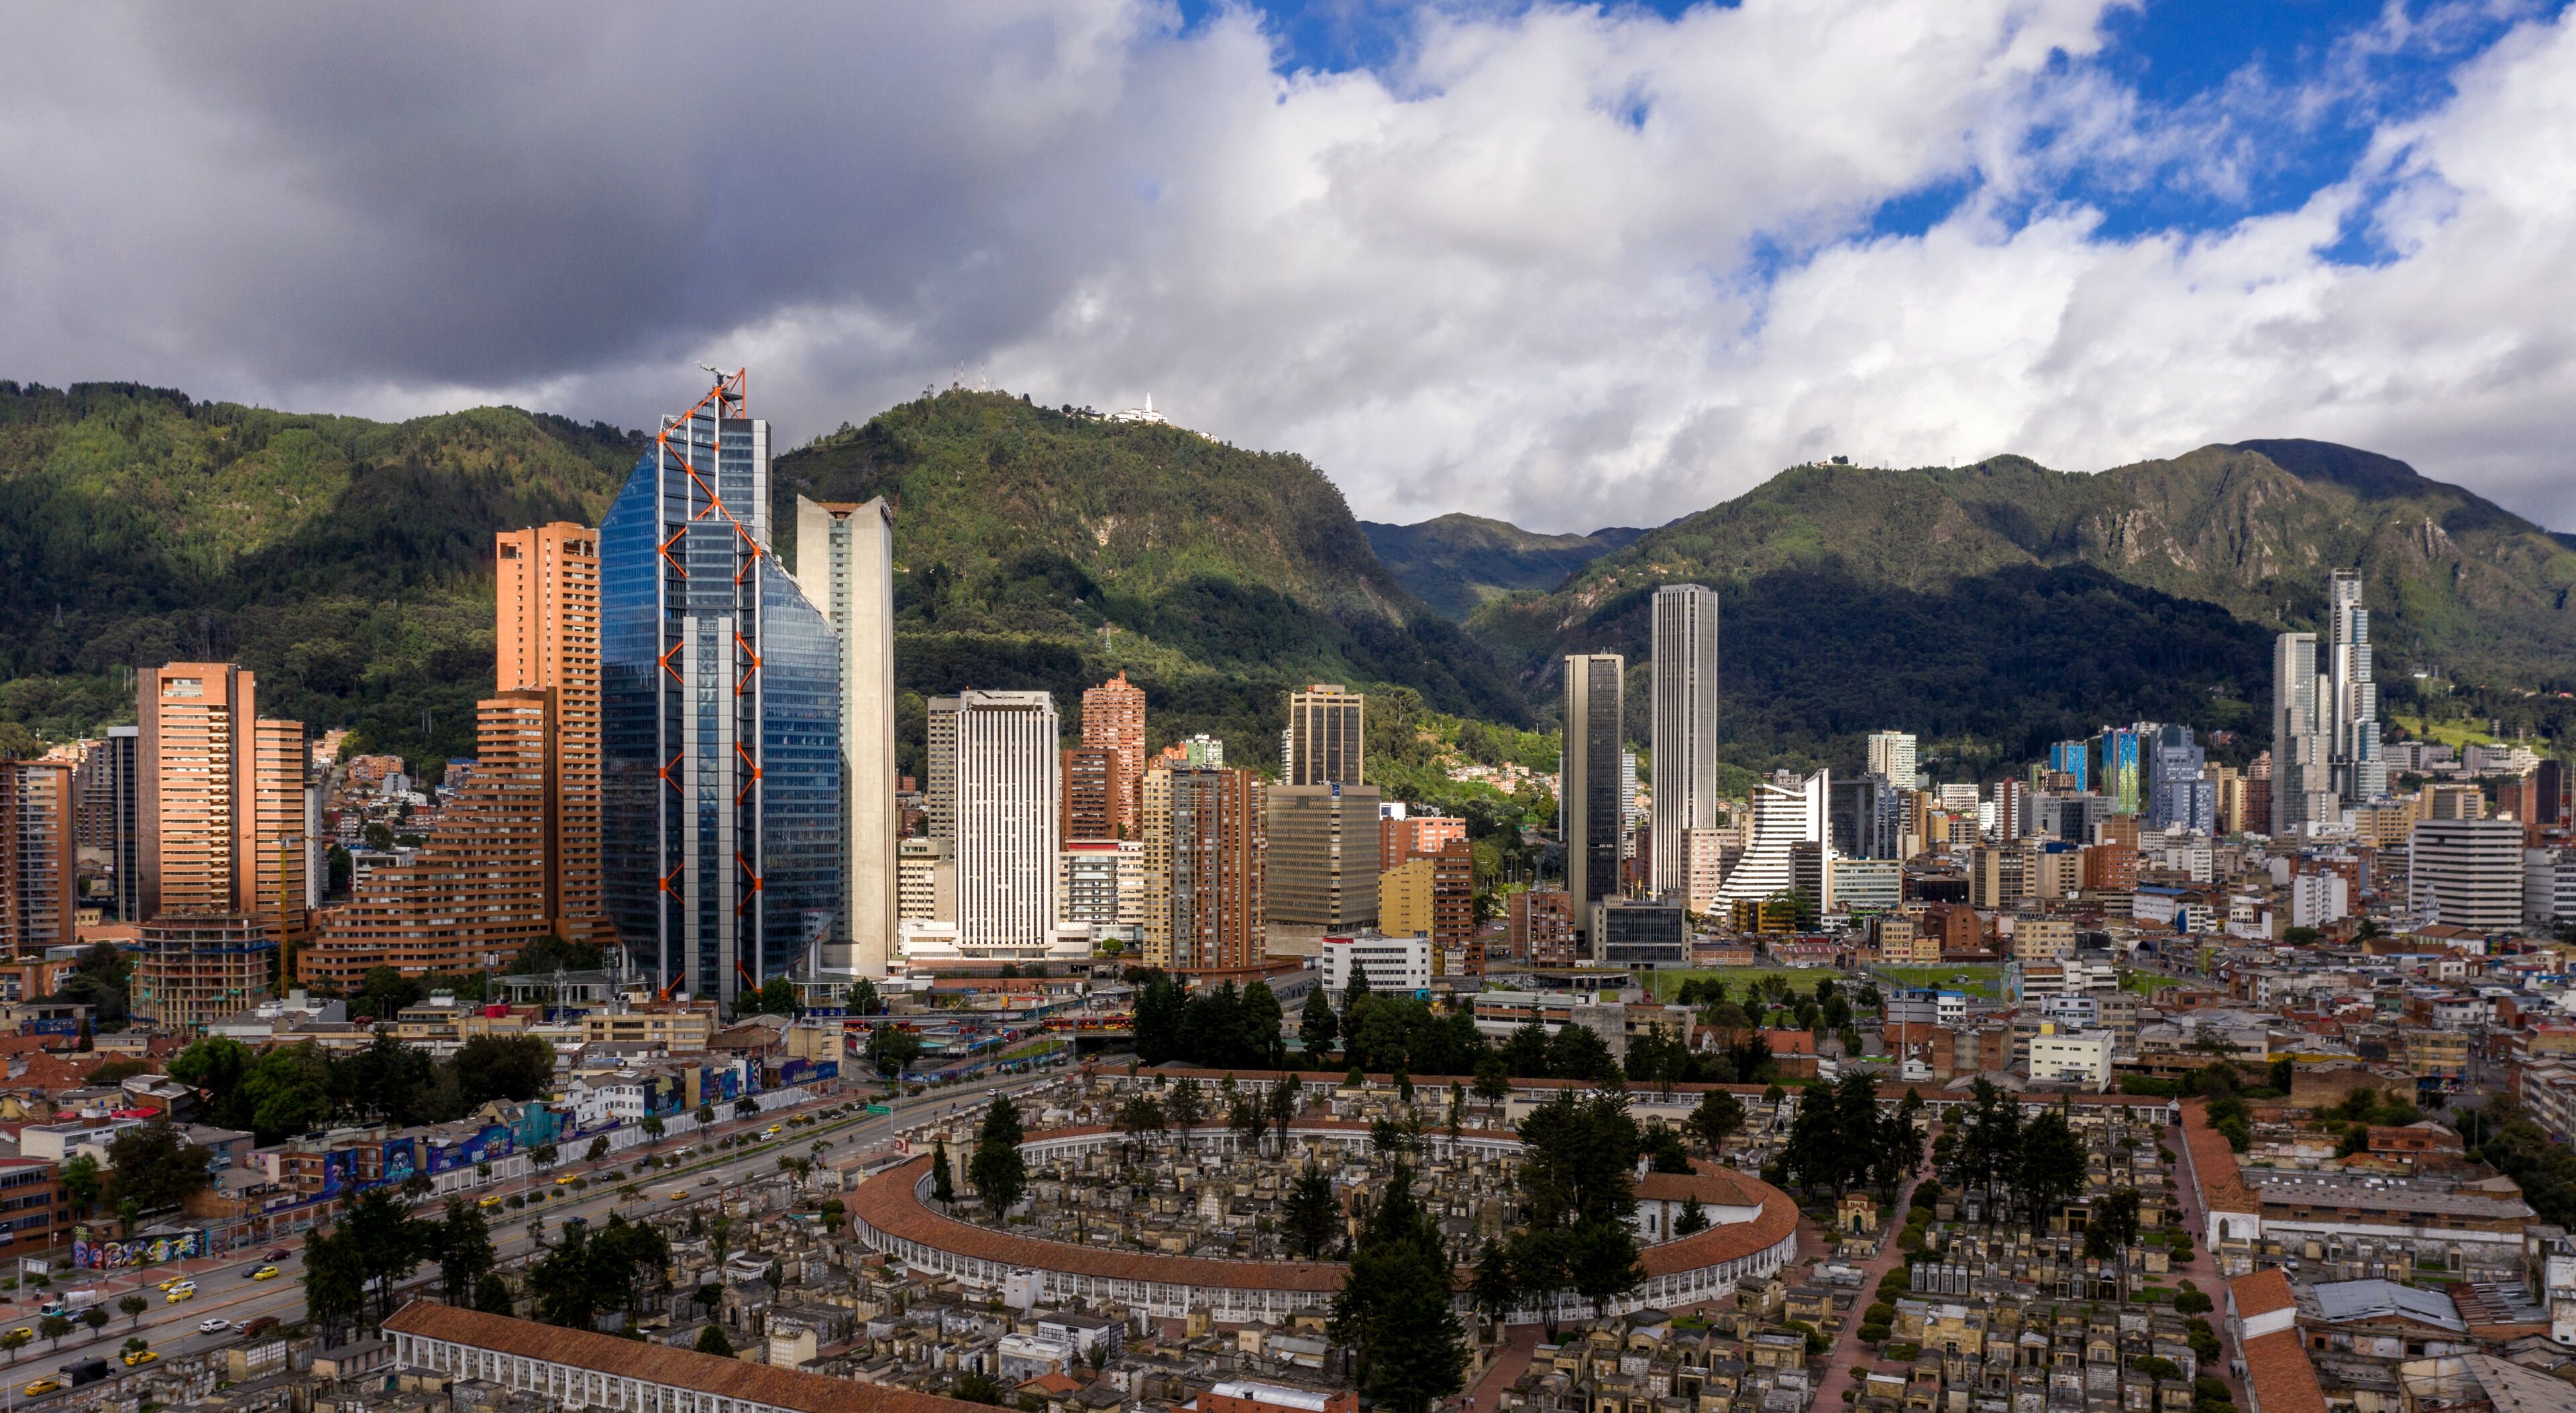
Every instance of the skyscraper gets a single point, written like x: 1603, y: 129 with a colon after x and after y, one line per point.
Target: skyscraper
x: 2179, y: 792
x: 1683, y: 731
x: 2122, y: 754
x: 1001, y: 757
x: 1787, y: 845
x: 1113, y: 717
x: 1094, y: 793
x: 105, y: 815
x: 2348, y: 704
x: 2073, y: 759
x: 1891, y: 754
x: 38, y: 876
x: 1324, y: 737
x: 2301, y: 794
x: 1322, y: 870
x: 1206, y: 829
x: 219, y: 799
x: 845, y: 564
x: 721, y: 721
x: 1588, y: 785
x: 546, y: 638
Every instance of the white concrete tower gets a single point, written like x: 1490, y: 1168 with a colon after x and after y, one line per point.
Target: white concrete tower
x: 1683, y: 735
x: 845, y: 565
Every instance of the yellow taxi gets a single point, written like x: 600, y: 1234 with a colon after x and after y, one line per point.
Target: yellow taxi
x: 41, y: 1386
x: 174, y: 1280
x: 676, y: 1194
x: 182, y: 1293
x: 492, y: 1201
x: 770, y: 1132
x: 566, y: 1180
x: 140, y: 1357
x: 264, y: 1273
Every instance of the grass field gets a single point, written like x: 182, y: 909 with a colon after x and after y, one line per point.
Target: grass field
x: 2454, y: 734
x: 1986, y: 981
x: 1666, y: 983
x: 2146, y: 983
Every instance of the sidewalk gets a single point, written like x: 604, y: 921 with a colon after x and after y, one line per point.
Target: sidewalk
x: 1509, y: 1362
x: 1844, y: 1355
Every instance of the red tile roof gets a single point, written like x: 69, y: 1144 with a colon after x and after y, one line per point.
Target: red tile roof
x: 2213, y: 1163
x: 2260, y: 1294
x: 662, y: 1364
x: 2280, y: 1377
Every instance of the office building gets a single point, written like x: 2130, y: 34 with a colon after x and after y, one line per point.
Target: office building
x: 1323, y: 864
x: 1113, y: 718
x: 1206, y: 844
x: 1864, y: 886
x: 1000, y: 762
x: 2348, y: 698
x: 1861, y: 819
x: 1453, y: 907
x: 1404, y: 897
x: 546, y: 639
x: 1588, y: 787
x: 39, y: 873
x: 1542, y: 926
x: 1786, y: 842
x: 1683, y: 731
x: 2302, y: 789
x: 1095, y: 793
x: 1707, y: 854
x: 2467, y: 872
x: 2081, y: 1058
x: 845, y: 564
x: 1408, y: 835
x: 1100, y: 886
x: 2179, y: 792
x: 108, y: 823
x: 219, y: 799
x: 2073, y: 762
x: 2043, y: 939
x: 198, y: 968
x: 925, y: 872
x: 1644, y: 934
x: 1324, y: 737
x: 721, y: 718
x: 476, y: 894
x: 2120, y: 781
x: 1892, y: 758
x: 1393, y: 965
x: 2548, y: 886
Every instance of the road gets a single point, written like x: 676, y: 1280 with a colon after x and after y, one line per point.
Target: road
x: 224, y: 1287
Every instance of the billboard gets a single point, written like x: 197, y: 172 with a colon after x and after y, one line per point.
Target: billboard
x: 140, y: 1251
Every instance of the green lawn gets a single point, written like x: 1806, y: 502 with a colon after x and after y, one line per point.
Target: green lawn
x: 2454, y: 734
x: 1986, y: 981
x: 2146, y: 983
x: 1667, y: 983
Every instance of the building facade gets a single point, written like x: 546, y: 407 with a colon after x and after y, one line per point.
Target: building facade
x: 1588, y: 786
x: 1095, y: 793
x: 1683, y: 733
x: 197, y: 969
x: 108, y: 821
x: 720, y: 717
x: 2467, y: 872
x: 845, y: 564
x: 1113, y: 718
x: 1323, y: 858
x: 998, y: 753
x: 219, y: 799
x: 39, y: 872
x: 1325, y: 737
x: 1213, y: 829
x: 546, y: 639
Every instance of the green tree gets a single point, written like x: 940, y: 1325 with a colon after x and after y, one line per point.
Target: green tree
x: 15, y: 1340
x: 98, y: 980
x: 1311, y: 1217
x: 133, y: 1307
x: 82, y: 1183
x: 1285, y: 1100
x: 1158, y: 1021
x: 1317, y: 1026
x: 892, y: 1049
x: 1185, y: 1107
x: 999, y: 1173
x: 282, y: 1093
x: 1491, y: 1287
x: 2052, y: 1166
x: 711, y: 1340
x: 515, y: 1067
x: 54, y: 1327
x: 154, y: 1166
x: 943, y: 1186
x: 464, y: 1250
x: 974, y: 1386
x: 492, y: 1295
x: 95, y: 1317
x: 335, y: 1284
x: 1692, y: 1219
x: 1393, y: 1313
x: 2112, y: 1227
x: 1718, y: 1116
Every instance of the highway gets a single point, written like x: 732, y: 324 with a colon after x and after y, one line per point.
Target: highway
x: 224, y: 1287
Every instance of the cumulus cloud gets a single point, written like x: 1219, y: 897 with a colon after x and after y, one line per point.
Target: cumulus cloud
x: 1570, y: 266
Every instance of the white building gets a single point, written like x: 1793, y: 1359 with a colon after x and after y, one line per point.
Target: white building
x: 2467, y: 872
x: 845, y: 565
x: 1867, y: 885
x: 2317, y: 899
x: 926, y: 881
x: 1787, y: 813
x: 1892, y: 755
x: 1683, y: 733
x: 1391, y: 963
x: 2082, y: 1057
x: 2548, y: 885
x: 1000, y: 772
x: 1101, y: 882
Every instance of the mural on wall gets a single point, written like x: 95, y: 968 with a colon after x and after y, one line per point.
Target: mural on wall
x: 92, y: 1255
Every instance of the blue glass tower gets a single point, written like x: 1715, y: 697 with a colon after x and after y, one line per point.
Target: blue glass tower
x: 2120, y: 781
x: 720, y: 704
x: 2073, y: 759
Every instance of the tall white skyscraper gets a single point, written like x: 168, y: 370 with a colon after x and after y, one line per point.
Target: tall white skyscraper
x: 845, y: 565
x: 1000, y: 764
x: 2299, y: 793
x: 1891, y: 754
x: 1683, y: 734
x: 2349, y: 712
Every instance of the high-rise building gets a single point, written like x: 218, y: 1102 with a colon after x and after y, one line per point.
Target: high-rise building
x: 2073, y: 760
x: 2122, y: 756
x: 845, y: 563
x: 39, y: 874
x: 2257, y: 816
x: 1100, y: 885
x: 1682, y: 736
x: 1891, y: 754
x: 1453, y: 908
x: 1860, y: 820
x: 1323, y: 865
x: 1113, y: 717
x: 1324, y: 737
x: 1405, y: 896
x: 1786, y: 843
x: 925, y: 873
x: 2302, y: 791
x: 103, y: 790
x: 1401, y: 837
x: 2012, y: 810
x: 2180, y: 794
x: 1095, y: 793
x: 1205, y: 833
x: 1588, y: 786
x: 2467, y: 872
x: 197, y: 968
x: 476, y: 894
x: 720, y: 717
x: 1002, y: 759
x: 219, y: 799
x: 546, y: 638
x: 2348, y: 704
x: 1542, y: 927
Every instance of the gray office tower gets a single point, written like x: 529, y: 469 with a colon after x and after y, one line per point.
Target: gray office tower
x: 1683, y: 736
x: 103, y: 794
x: 1588, y: 784
x: 2349, y: 711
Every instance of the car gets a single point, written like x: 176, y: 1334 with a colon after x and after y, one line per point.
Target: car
x: 492, y: 1201
x: 264, y: 1273
x: 41, y: 1386
x: 708, y: 1181
x: 184, y: 1284
x: 770, y: 1132
x: 677, y: 1194
x: 140, y: 1356
x: 22, y: 1329
x: 169, y: 1281
x: 176, y: 1296
x: 566, y: 1178
x: 275, y: 1253
x: 217, y: 1325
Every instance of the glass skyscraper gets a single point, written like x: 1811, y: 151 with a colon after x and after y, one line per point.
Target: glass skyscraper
x: 720, y: 706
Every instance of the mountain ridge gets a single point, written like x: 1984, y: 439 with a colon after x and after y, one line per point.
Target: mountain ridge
x: 1455, y: 562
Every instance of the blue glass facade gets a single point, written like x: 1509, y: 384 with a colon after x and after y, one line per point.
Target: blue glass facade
x: 720, y: 720
x: 2120, y: 782
x: 2073, y: 758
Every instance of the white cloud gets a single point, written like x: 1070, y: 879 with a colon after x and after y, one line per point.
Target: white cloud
x: 1569, y: 266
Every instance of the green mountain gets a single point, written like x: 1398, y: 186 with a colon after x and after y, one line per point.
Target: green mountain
x: 1456, y: 562
x: 349, y: 562
x: 1038, y: 548
x: 1999, y: 606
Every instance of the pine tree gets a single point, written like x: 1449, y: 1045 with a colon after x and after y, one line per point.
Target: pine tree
x: 1311, y: 1215
x: 1693, y: 1218
x: 1393, y: 1313
x: 943, y: 1185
